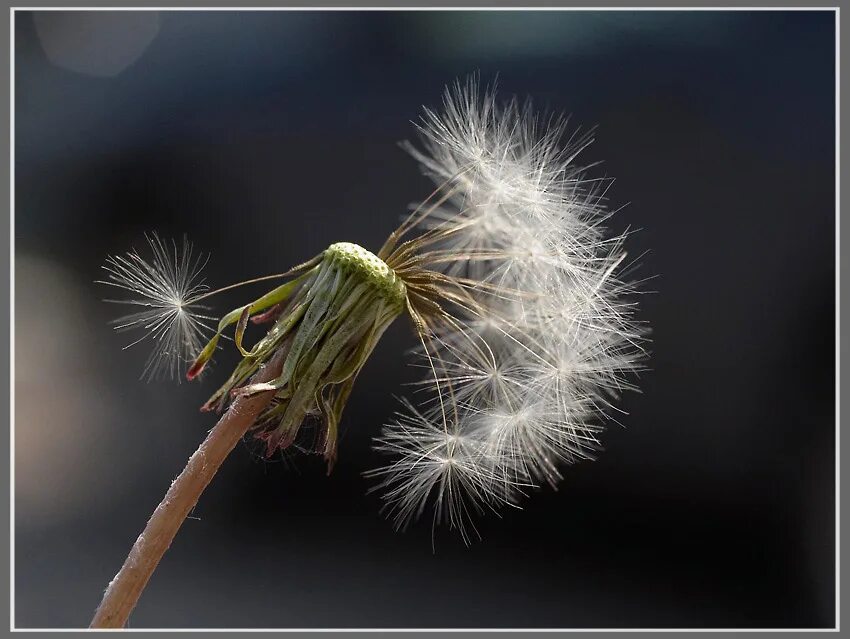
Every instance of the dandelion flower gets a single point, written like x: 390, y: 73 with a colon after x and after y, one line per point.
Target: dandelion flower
x: 524, y: 323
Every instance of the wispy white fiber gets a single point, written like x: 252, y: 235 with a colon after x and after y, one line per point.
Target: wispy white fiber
x: 166, y: 288
x: 522, y: 383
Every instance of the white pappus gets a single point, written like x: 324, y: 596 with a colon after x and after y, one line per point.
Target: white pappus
x: 524, y: 382
x: 167, y: 288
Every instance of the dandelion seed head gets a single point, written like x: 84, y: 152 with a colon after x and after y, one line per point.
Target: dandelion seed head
x: 525, y: 361
x: 166, y: 287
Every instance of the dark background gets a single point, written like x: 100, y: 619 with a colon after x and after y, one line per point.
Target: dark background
x: 267, y: 136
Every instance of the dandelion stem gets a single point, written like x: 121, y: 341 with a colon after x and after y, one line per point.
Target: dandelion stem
x: 125, y: 589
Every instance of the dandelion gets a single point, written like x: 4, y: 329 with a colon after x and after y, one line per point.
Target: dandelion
x: 525, y: 329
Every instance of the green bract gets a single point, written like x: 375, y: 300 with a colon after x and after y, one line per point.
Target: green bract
x: 328, y: 319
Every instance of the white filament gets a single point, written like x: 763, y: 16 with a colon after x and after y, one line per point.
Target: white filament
x: 166, y: 288
x: 531, y: 379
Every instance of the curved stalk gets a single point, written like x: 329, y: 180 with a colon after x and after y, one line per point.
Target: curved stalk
x: 125, y: 589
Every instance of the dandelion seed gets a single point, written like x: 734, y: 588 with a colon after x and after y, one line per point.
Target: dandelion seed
x: 456, y: 469
x: 167, y: 287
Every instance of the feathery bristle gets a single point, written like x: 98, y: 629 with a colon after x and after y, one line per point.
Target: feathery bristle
x: 166, y: 287
x: 525, y: 360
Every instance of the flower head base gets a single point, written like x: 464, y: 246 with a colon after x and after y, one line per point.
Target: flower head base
x: 352, y: 258
x: 327, y: 319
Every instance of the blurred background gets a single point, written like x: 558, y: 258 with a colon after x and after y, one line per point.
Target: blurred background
x: 265, y: 136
